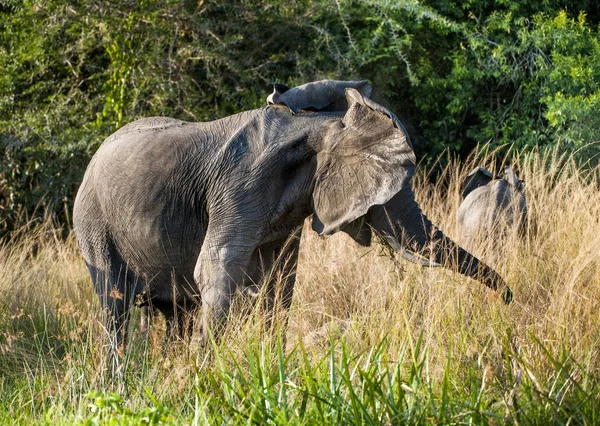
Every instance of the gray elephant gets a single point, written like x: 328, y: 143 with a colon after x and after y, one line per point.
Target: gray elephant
x: 491, y: 205
x: 181, y: 215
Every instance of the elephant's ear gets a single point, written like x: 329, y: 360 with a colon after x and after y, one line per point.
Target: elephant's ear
x: 511, y: 177
x: 376, y: 107
x: 364, y: 161
x: 278, y: 90
x: 476, y: 178
x: 324, y: 95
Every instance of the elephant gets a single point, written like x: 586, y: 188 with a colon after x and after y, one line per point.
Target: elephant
x: 182, y: 215
x: 491, y: 205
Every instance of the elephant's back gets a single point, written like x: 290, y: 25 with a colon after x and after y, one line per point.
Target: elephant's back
x: 131, y: 174
x: 488, y: 207
x: 510, y: 205
x: 136, y: 194
x: 505, y: 204
x: 144, y: 126
x: 473, y: 211
x: 148, y: 183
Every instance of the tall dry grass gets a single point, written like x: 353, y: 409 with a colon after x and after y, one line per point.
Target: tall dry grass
x: 442, y: 330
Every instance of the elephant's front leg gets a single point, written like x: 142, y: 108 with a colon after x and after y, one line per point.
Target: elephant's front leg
x: 273, y: 266
x: 220, y: 269
x: 283, y: 280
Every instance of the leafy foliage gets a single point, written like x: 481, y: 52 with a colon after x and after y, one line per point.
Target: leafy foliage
x: 504, y: 74
x: 109, y: 409
x: 513, y: 73
x: 75, y: 72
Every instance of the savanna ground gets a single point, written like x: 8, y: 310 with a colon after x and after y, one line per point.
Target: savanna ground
x: 370, y: 340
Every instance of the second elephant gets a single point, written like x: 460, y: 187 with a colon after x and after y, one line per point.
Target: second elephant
x: 491, y: 206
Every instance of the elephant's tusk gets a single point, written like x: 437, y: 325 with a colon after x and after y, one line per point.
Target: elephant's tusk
x: 418, y: 259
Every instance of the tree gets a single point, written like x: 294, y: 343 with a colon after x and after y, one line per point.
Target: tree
x: 507, y: 73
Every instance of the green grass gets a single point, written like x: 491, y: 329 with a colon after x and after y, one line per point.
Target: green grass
x: 370, y: 341
x: 338, y: 386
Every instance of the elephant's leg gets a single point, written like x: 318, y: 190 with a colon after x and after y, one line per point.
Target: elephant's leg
x: 221, y: 267
x: 274, y: 266
x: 116, y: 289
x: 111, y: 302
x: 219, y: 284
x: 179, y: 320
x: 283, y: 280
x: 145, y: 319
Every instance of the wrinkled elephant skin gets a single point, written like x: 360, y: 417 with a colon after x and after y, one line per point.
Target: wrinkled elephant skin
x: 181, y: 215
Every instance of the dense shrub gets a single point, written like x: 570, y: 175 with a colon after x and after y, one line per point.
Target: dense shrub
x: 75, y: 72
x: 460, y: 73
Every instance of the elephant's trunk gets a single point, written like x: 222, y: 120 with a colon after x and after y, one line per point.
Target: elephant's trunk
x: 404, y: 225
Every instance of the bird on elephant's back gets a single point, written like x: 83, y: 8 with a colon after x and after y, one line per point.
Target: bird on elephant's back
x: 182, y: 215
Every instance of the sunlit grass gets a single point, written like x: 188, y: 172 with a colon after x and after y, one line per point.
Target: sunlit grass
x: 369, y: 341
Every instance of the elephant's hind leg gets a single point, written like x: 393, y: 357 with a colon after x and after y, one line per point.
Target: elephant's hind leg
x: 117, y: 287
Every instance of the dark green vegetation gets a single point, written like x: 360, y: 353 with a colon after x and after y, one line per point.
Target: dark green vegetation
x: 521, y: 73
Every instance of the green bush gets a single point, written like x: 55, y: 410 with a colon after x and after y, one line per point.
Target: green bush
x: 510, y: 73
x: 520, y: 74
x: 75, y: 72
